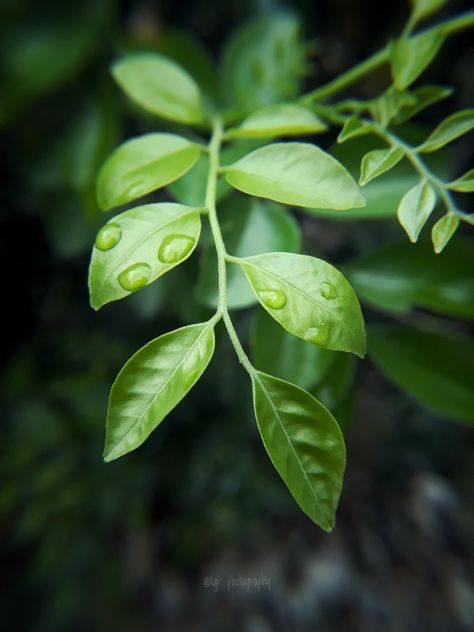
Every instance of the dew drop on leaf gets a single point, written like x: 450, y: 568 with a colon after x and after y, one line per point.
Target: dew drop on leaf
x: 135, y: 277
x: 273, y: 298
x: 327, y: 290
x: 108, y: 237
x: 175, y: 247
x: 318, y: 335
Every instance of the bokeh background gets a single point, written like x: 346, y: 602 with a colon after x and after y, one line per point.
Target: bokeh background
x: 131, y: 545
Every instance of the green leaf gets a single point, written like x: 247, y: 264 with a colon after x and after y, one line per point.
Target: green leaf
x: 291, y: 359
x: 152, y: 383
x: 410, y: 56
x: 309, y: 298
x: 353, y: 127
x: 338, y: 381
x: 379, y: 161
x: 295, y: 173
x: 389, y: 103
x: 451, y: 128
x: 278, y: 120
x: 424, y: 97
x: 160, y: 86
x: 304, y: 443
x: 435, y: 370
x: 399, y: 277
x: 262, y: 63
x: 464, y: 184
x: 424, y: 8
x: 443, y: 230
x: 138, y: 246
x: 249, y: 227
x: 415, y: 208
x: 142, y: 165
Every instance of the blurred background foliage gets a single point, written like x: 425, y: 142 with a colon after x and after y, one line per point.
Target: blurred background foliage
x: 127, y: 545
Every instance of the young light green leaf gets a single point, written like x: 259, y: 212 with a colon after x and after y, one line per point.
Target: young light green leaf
x: 295, y: 173
x: 160, y: 86
x: 288, y: 357
x: 451, y: 128
x: 435, y: 370
x: 377, y: 162
x: 286, y: 119
x: 400, y: 277
x: 443, y: 230
x: 152, y: 383
x: 415, y: 208
x: 309, y: 298
x: 410, y: 56
x: 304, y: 443
x: 385, y: 107
x: 424, y: 97
x: 249, y: 227
x: 463, y: 184
x: 138, y: 246
x: 424, y: 8
x: 142, y: 165
x: 353, y: 127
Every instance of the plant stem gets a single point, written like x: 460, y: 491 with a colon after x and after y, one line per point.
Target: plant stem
x: 355, y: 74
x: 211, y: 188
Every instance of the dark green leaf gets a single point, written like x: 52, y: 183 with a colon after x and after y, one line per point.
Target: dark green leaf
x: 338, y: 381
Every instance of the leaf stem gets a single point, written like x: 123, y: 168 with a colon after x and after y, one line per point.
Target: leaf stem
x: 358, y: 72
x: 222, y: 256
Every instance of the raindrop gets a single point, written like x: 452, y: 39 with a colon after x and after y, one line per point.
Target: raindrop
x: 175, y: 247
x: 135, y: 277
x: 273, y: 298
x: 327, y: 290
x: 108, y: 237
x: 318, y: 335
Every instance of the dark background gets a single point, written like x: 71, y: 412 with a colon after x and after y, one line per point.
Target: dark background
x: 128, y: 545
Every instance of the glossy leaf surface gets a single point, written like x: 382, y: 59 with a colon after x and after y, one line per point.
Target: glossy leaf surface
x: 279, y: 120
x: 309, y: 298
x: 451, y: 128
x: 415, y: 208
x: 142, y: 165
x: 377, y: 162
x: 295, y: 173
x: 304, y: 443
x: 152, y: 383
x: 156, y: 237
x: 435, y: 370
x: 160, y: 86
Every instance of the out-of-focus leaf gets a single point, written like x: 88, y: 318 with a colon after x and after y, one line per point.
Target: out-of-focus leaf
x: 451, y: 128
x: 377, y: 162
x: 463, y: 184
x: 353, y: 127
x: 415, y: 208
x: 338, y: 381
x: 424, y: 97
x: 443, y: 230
x: 410, y: 56
x: 421, y: 9
x: 434, y: 369
x: 386, y: 107
x: 278, y: 120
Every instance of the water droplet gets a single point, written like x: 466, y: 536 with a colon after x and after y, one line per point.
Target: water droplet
x: 318, y: 335
x: 327, y: 290
x: 275, y: 299
x: 108, y: 237
x: 134, y: 277
x: 175, y: 247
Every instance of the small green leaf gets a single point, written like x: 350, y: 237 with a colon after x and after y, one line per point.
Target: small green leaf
x: 435, y: 370
x: 424, y: 97
x: 142, y: 165
x: 295, y: 173
x: 410, y: 56
x: 309, y: 298
x: 249, y: 227
x: 138, y: 246
x: 377, y: 162
x: 443, y: 230
x: 389, y: 103
x: 304, y: 443
x: 353, y: 127
x: 152, y: 383
x: 451, y: 128
x: 288, y: 357
x: 160, y: 86
x: 415, y: 208
x: 278, y: 120
x: 402, y: 276
x: 424, y: 8
x: 463, y: 184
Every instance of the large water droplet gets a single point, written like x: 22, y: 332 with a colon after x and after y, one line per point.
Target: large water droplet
x: 108, y: 237
x: 175, y: 247
x: 318, y: 335
x: 327, y: 290
x: 134, y: 277
x: 273, y: 298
